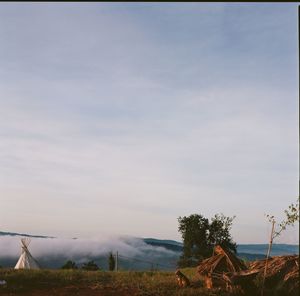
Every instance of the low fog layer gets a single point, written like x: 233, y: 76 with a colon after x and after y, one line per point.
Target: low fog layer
x: 10, y: 246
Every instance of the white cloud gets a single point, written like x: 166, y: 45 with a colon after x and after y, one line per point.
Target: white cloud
x: 113, y: 113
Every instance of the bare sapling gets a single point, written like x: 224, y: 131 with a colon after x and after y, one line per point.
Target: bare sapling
x: 291, y: 216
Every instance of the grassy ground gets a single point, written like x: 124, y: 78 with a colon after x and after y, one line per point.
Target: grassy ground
x: 77, y: 282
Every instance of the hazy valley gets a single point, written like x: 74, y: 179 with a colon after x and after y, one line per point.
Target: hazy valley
x: 133, y: 253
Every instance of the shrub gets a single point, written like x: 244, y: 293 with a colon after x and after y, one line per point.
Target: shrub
x: 69, y: 265
x: 91, y: 265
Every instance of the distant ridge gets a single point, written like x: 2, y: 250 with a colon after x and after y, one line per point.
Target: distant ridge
x: 24, y: 234
x: 245, y: 251
x: 167, y: 244
x: 277, y: 249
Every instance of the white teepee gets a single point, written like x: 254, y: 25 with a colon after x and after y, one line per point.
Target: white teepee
x: 26, y: 261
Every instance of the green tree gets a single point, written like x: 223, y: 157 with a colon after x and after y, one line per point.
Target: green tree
x: 199, y: 237
x: 91, y: 265
x: 69, y: 265
x: 291, y: 216
x: 193, y: 229
x: 219, y: 232
x: 111, y: 262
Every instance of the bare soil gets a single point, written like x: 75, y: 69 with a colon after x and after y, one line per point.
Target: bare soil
x: 76, y: 291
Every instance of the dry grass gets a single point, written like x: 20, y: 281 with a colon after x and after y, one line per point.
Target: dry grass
x: 79, y: 282
x: 114, y: 283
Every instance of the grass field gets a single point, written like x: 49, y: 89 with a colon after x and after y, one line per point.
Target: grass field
x: 78, y: 282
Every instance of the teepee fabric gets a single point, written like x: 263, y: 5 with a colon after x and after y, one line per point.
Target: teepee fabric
x: 26, y: 261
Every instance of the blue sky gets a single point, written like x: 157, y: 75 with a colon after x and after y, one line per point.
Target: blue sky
x: 118, y: 118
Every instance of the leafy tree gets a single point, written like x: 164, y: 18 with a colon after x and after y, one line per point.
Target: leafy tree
x: 193, y: 229
x: 111, y: 262
x: 199, y: 237
x: 219, y: 232
x: 69, y: 265
x: 91, y: 265
x: 291, y: 216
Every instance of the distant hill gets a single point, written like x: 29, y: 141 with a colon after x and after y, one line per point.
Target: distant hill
x: 249, y: 251
x: 277, y: 249
x: 168, y: 244
x: 24, y: 234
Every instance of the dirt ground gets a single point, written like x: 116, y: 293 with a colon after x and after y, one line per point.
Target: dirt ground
x: 75, y: 291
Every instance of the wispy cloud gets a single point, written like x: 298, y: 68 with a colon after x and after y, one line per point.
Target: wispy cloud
x: 105, y: 111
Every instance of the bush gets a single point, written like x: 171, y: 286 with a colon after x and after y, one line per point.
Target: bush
x: 91, y: 265
x: 69, y: 265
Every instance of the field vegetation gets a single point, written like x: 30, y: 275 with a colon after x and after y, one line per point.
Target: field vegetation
x: 102, y: 283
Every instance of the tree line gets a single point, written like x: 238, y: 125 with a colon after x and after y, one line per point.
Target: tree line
x: 91, y: 265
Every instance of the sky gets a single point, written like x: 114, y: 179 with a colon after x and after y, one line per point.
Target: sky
x: 117, y: 118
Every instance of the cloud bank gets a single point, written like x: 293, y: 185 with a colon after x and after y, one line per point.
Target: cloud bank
x: 74, y: 249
